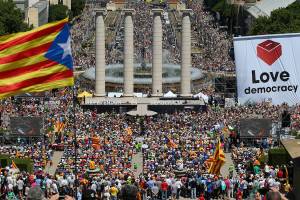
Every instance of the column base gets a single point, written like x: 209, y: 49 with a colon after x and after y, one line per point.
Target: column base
x: 99, y: 95
x: 186, y: 95
x: 157, y: 95
x: 127, y: 95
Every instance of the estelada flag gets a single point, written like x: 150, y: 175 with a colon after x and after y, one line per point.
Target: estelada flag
x: 128, y: 130
x: 218, y: 160
x: 13, y: 165
x: 36, y: 60
x: 170, y: 142
x: 59, y: 126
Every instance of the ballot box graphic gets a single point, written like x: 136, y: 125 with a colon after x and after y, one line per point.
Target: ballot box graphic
x: 269, y: 51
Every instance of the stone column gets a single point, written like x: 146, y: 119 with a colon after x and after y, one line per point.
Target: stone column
x: 128, y: 53
x: 100, y: 53
x: 186, y: 53
x: 157, y: 53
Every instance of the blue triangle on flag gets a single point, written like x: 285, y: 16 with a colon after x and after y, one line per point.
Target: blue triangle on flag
x: 60, y: 49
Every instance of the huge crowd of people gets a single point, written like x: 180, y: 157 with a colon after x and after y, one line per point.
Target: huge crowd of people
x: 211, y: 44
x: 106, y: 148
x: 83, y: 33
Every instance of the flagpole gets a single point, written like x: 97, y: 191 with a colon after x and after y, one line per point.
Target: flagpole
x: 75, y: 142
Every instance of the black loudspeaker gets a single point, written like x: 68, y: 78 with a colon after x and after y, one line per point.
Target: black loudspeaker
x: 225, y: 85
x: 122, y: 109
x: 231, y: 53
x: 285, y: 119
x: 220, y: 85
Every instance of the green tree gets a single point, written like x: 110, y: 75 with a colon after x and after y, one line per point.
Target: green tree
x: 11, y: 18
x: 223, y: 8
x: 231, y: 15
x: 283, y: 20
x: 211, y: 3
x: 77, y: 7
x: 259, y: 26
x: 57, y: 12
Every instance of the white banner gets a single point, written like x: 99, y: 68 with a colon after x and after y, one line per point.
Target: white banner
x: 268, y: 68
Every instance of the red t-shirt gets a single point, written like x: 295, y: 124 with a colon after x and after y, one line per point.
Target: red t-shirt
x: 280, y: 174
x: 164, y: 186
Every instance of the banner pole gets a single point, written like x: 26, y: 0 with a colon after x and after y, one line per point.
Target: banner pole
x: 75, y: 142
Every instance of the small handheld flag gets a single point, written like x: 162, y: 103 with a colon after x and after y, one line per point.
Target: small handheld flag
x: 218, y: 160
x: 13, y: 165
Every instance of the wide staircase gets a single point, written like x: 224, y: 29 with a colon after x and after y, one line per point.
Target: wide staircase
x: 50, y: 169
x: 176, y: 24
x: 137, y: 159
x: 225, y: 167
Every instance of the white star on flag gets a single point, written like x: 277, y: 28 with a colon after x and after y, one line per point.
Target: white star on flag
x: 66, y: 48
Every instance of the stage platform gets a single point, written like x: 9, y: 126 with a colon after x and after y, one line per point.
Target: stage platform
x: 156, y: 104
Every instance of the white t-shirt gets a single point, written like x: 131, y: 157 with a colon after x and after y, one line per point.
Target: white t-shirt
x: 26, y: 191
x: 267, y: 168
x: 48, y: 183
x: 64, y: 182
x: 178, y: 184
x: 54, y: 188
x: 169, y: 181
x: 20, y: 184
x: 262, y: 184
x: 10, y: 180
x: 271, y: 182
x: 71, y: 180
x: 94, y: 187
x: 106, y: 192
x: 10, y: 187
x: 59, y: 181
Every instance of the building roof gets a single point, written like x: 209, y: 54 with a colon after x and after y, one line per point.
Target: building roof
x: 40, y: 5
x: 32, y: 2
x: 292, y: 146
x: 265, y: 7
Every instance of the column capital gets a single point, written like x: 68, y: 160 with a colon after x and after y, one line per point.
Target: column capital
x: 187, y: 12
x: 100, y: 11
x: 128, y: 12
x: 157, y: 11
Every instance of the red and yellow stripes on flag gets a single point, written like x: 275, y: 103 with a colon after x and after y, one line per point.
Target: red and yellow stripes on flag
x: 218, y: 160
x: 59, y: 126
x: 286, y: 175
x: 171, y: 143
x: 17, y: 154
x: 13, y: 165
x: 129, y: 131
x: 23, y: 65
x: 96, y: 142
x: 128, y: 136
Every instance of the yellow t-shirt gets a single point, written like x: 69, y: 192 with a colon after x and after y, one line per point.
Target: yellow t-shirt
x: 113, y: 191
x: 92, y: 165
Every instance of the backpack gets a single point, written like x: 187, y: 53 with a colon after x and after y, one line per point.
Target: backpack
x: 223, y: 186
x: 11, y: 196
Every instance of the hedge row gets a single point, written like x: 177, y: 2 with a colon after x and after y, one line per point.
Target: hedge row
x: 278, y: 156
x: 24, y: 164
